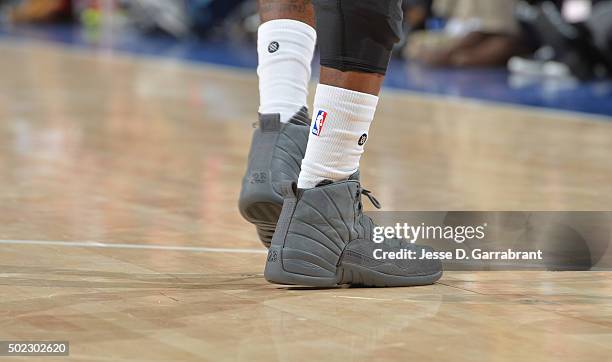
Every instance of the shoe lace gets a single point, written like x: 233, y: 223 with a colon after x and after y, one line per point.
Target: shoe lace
x: 391, y: 242
x: 371, y: 197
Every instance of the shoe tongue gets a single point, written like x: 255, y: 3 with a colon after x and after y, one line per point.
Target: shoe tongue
x: 324, y: 182
x: 301, y: 118
x: 353, y: 177
x: 269, y: 122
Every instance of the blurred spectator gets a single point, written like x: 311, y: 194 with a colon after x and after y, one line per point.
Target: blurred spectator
x: 416, y: 14
x: 207, y: 14
x: 477, y: 33
x: 41, y: 10
x: 575, y: 39
x: 551, y: 38
x: 159, y: 16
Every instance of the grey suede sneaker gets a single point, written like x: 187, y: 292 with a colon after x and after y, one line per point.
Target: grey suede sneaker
x: 276, y: 154
x: 323, y: 239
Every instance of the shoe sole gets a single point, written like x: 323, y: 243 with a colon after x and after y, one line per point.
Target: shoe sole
x: 264, y: 215
x: 347, y: 273
x: 259, y: 203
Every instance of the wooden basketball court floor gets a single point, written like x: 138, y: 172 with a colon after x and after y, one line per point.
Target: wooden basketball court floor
x: 119, y: 230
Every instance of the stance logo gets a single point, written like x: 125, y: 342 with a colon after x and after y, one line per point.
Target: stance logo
x: 273, y: 47
x: 362, y: 139
x: 317, y: 124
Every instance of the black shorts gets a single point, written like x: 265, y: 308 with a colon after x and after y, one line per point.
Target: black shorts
x: 358, y: 35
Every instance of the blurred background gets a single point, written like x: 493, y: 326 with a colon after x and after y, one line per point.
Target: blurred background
x: 552, y: 54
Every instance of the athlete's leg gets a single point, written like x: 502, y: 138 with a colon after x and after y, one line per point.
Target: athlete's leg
x: 322, y: 237
x: 300, y: 10
x: 285, y: 46
x: 356, y: 39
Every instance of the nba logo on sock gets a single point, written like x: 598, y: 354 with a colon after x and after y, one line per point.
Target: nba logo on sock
x: 317, y: 125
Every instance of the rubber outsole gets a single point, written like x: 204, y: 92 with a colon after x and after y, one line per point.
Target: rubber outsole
x: 347, y: 273
x: 359, y: 276
x: 264, y: 215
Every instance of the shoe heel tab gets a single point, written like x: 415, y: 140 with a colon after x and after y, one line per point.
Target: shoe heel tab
x: 301, y: 118
x: 269, y: 122
x: 289, y: 190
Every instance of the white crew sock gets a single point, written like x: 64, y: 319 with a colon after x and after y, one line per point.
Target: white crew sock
x: 285, y: 48
x: 338, y: 132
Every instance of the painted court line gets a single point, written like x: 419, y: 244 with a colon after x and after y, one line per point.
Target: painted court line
x: 96, y: 244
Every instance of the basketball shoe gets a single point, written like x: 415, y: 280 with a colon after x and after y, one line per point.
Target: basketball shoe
x: 323, y: 239
x: 276, y: 154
